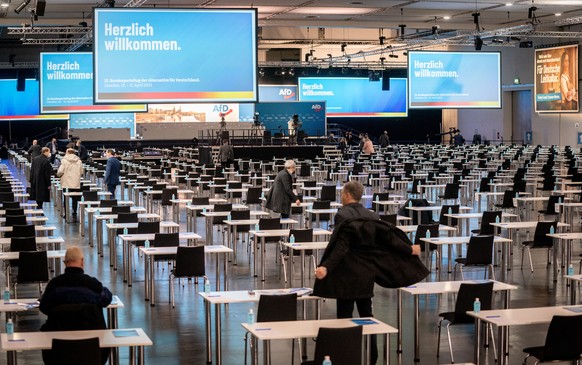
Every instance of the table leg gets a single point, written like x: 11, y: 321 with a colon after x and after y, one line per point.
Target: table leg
x: 234, y: 254
x: 147, y: 277
x: 141, y: 353
x: 11, y: 358
x: 188, y: 220
x: 152, y: 282
x: 254, y: 351
x: 477, y: 344
x: 112, y: 241
x: 573, y: 288
x: 416, y: 339
x: 263, y: 254
x: 90, y: 227
x: 100, y: 237
x: 112, y: 324
x: 82, y: 218
x: 218, y: 326
x: 208, y: 326
x: 399, y: 323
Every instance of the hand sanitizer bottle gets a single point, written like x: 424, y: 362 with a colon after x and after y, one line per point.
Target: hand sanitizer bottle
x: 570, y: 270
x: 6, y: 295
x: 326, y: 361
x: 206, y: 285
x: 125, y: 230
x: 410, y: 203
x: 251, y: 317
x: 428, y: 233
x: 552, y: 230
x: 257, y: 227
x: 228, y: 217
x: 146, y: 244
x: 10, y: 328
x: 292, y: 239
x: 476, y: 306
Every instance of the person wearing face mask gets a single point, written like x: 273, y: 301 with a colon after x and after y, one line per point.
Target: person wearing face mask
x: 281, y: 195
x: 40, y: 177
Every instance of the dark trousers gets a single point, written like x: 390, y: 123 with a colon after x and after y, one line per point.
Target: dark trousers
x: 111, y: 189
x: 39, y: 204
x: 345, y: 309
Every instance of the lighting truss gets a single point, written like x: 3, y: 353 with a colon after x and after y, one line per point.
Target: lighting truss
x: 47, y: 30
x: 575, y: 20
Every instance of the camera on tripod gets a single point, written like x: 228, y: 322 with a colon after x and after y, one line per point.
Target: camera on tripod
x: 256, y: 120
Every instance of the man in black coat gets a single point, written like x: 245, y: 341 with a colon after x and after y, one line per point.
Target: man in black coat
x: 35, y: 150
x: 74, y: 301
x: 54, y: 147
x: 348, y: 269
x: 82, y: 151
x: 40, y: 178
x: 281, y: 195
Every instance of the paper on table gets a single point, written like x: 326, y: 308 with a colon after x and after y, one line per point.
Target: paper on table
x: 362, y: 322
x: 125, y: 333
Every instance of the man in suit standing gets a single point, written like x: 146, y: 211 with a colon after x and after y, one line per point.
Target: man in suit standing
x: 34, y: 150
x: 53, y: 146
x: 40, y: 178
x: 281, y: 195
x: 226, y: 154
x: 82, y: 151
x: 112, y: 171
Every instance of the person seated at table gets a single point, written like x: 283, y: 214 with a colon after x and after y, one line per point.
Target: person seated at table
x: 74, y: 301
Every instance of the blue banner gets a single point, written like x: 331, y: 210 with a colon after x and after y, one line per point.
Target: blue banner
x: 275, y: 116
x: 104, y: 120
x: 355, y: 96
x: 175, y: 55
x: 21, y: 105
x: 66, y: 85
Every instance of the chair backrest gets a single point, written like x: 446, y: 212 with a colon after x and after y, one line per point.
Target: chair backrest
x: 379, y: 197
x: 277, y: 308
x: 73, y: 352
x: 9, y: 205
x: 390, y: 218
x: 167, y: 195
x: 166, y: 239
x: 342, y: 345
x: 221, y: 208
x: 466, y: 297
x: 202, y: 200
x: 328, y: 192
x: 302, y: 235
x: 484, y: 185
x: 127, y: 217
x: 310, y: 183
x: 116, y: 209
x: 148, y: 227
x: 254, y: 195
x: 321, y: 204
x: 90, y: 195
x: 415, y: 184
x: 26, y: 230
x: 480, y: 250
x: 489, y: 217
x: 421, y: 233
x: 32, y: 267
x: 520, y: 185
x: 540, y: 235
x: 445, y: 210
x: 269, y: 223
x: 564, y: 339
x: 508, y: 197
x: 13, y: 220
x: 7, y: 197
x: 451, y: 191
x: 552, y: 200
x: 107, y: 203
x: 19, y: 244
x: 14, y: 211
x: 190, y: 261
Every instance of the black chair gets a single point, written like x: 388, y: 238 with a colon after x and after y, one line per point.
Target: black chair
x: 342, y: 345
x: 323, y: 217
x: 520, y: 186
x: 449, y: 209
x: 13, y: 220
x: 451, y: 192
x: 107, y: 203
x: 551, y: 205
x: 563, y: 341
x: 13, y: 211
x: 465, y: 299
x: 485, y: 227
x: 479, y: 253
x: 73, y: 352
x: 390, y: 218
x: 116, y: 209
x: 548, y: 183
x: 27, y: 230
x: 167, y: 195
x: 421, y: 232
x: 90, y: 196
x: 540, y: 240
x: 219, y: 221
x: 238, y: 215
x: 276, y: 308
x: 166, y: 240
x: 415, y: 186
x: 7, y: 197
x: 8, y: 205
x: 254, y: 196
x: 300, y: 235
x: 328, y: 192
x: 189, y: 264
x: 146, y: 227
x: 32, y: 268
x: 484, y: 186
x: 379, y: 197
x: 507, y: 202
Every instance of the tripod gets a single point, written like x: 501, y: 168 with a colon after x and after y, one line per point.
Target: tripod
x: 255, y: 133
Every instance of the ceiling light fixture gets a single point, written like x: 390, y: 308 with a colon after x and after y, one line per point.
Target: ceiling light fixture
x: 446, y: 17
x: 21, y: 7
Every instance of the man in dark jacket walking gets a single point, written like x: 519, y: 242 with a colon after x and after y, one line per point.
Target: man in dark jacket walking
x: 40, y: 178
x: 112, y: 171
x: 35, y: 150
x: 348, y: 270
x: 281, y: 195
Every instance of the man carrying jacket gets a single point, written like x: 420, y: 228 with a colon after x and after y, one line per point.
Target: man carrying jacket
x: 350, y: 264
x: 70, y: 172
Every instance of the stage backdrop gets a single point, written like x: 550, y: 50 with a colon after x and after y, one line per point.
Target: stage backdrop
x: 103, y: 121
x: 275, y: 115
x: 171, y: 113
x: 556, y: 79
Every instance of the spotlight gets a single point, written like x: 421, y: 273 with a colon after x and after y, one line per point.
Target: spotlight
x: 261, y: 72
x: 382, y: 39
x: 21, y: 7
x: 83, y: 24
x: 476, y: 17
x: 382, y: 59
x: 110, y: 3
x: 343, y: 47
x: 402, y: 26
x: 531, y: 12
x: 291, y: 72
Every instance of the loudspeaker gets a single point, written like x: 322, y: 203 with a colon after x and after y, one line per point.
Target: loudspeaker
x: 20, y: 82
x: 40, y: 6
x: 385, y: 80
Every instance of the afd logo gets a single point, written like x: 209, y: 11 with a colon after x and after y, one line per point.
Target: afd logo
x: 286, y: 93
x: 317, y: 107
x: 220, y: 108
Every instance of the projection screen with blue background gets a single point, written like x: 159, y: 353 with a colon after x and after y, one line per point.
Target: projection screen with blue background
x: 66, y: 85
x: 454, y: 80
x: 175, y: 55
x: 355, y: 96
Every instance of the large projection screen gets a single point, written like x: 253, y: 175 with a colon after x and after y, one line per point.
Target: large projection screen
x: 175, y: 55
x: 454, y: 80
x: 66, y: 85
x: 556, y: 79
